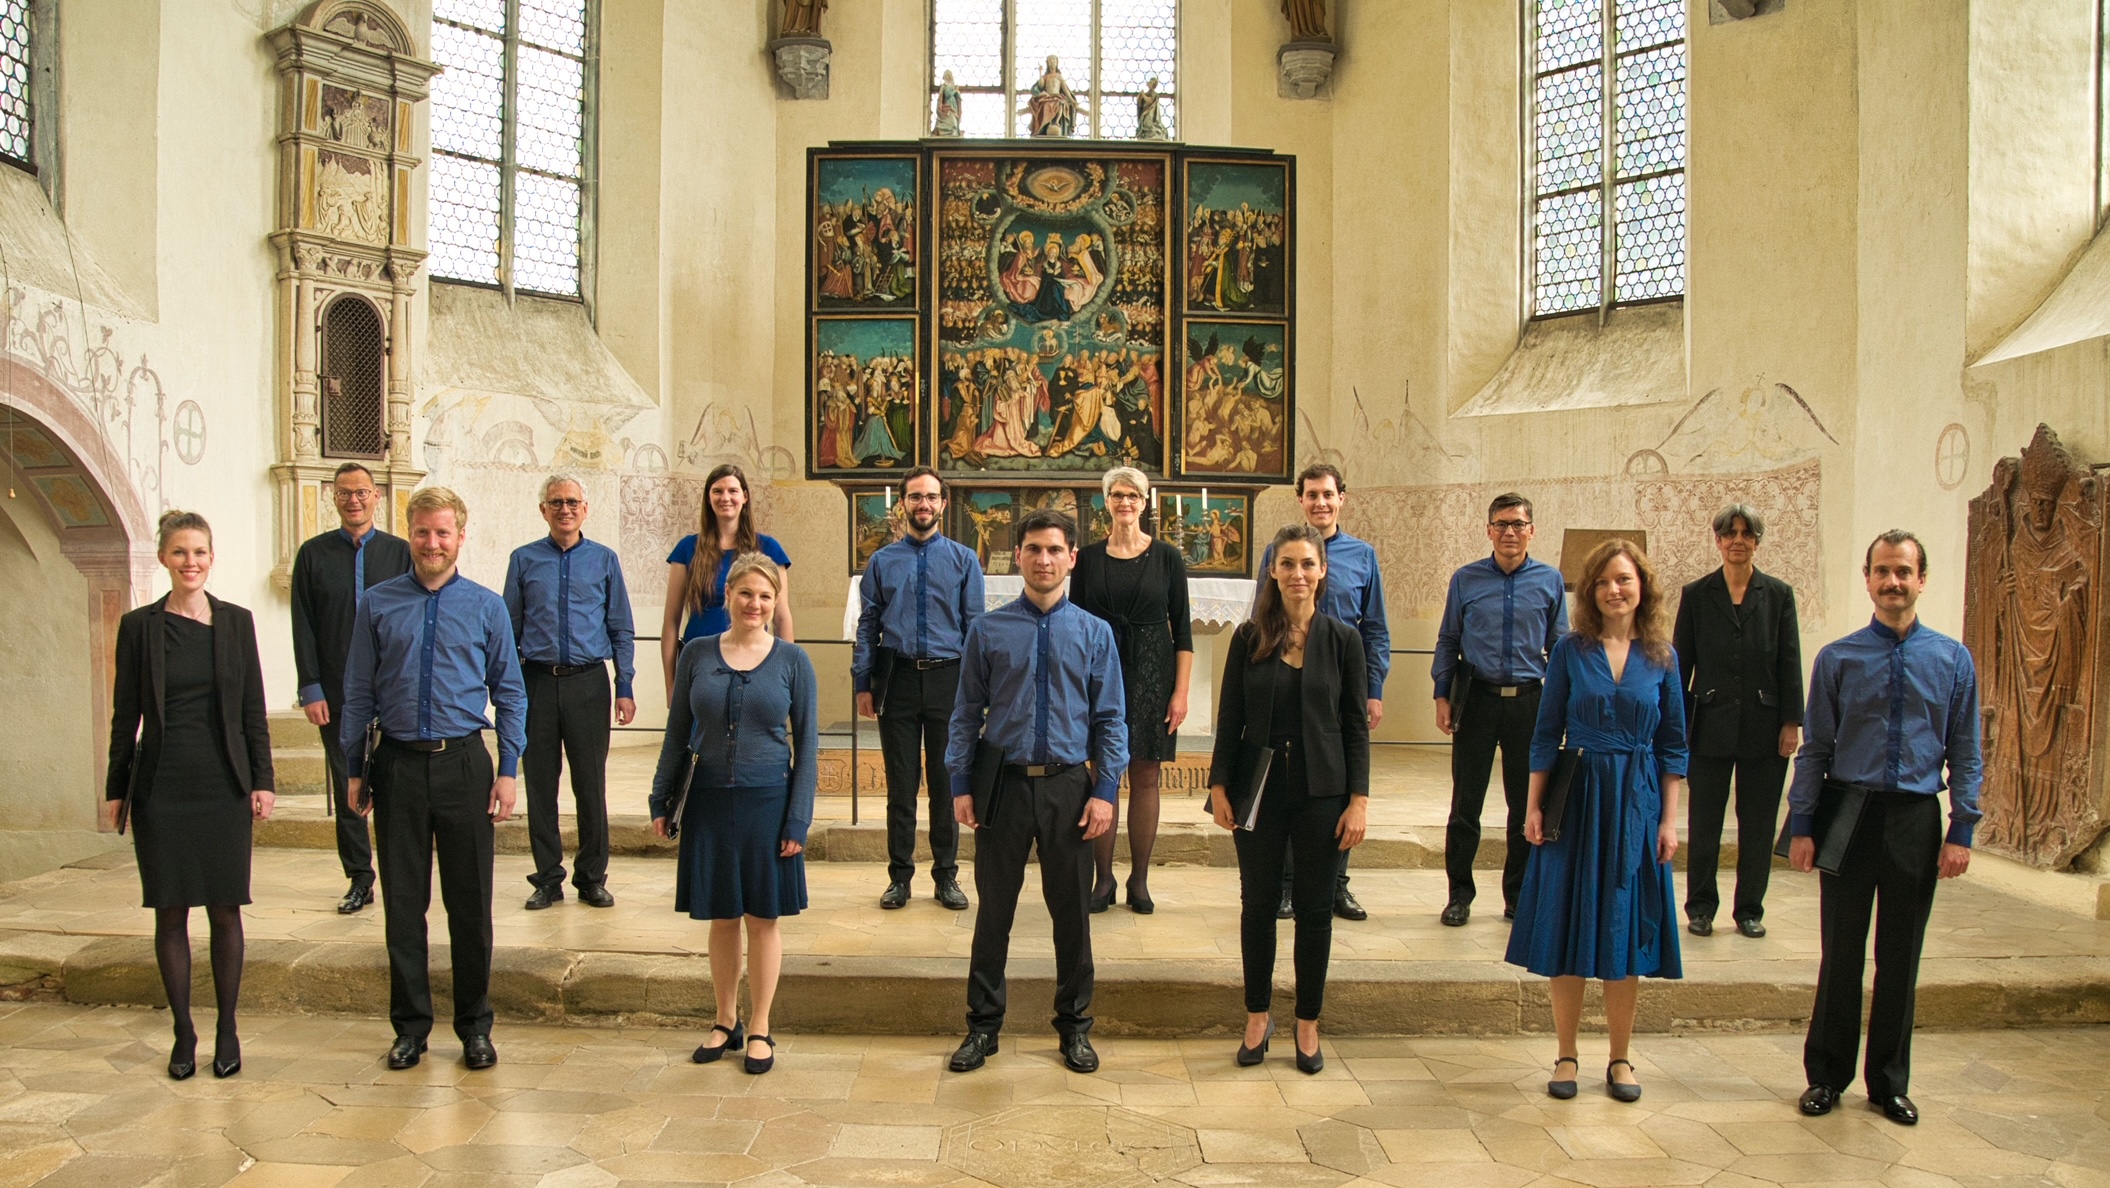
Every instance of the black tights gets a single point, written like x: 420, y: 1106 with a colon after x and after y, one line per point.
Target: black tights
x: 1142, y: 831
x: 172, y: 953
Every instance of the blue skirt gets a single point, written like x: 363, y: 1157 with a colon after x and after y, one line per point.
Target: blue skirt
x: 1596, y: 903
x: 728, y: 865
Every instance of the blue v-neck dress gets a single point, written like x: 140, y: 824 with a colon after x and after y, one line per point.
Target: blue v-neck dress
x: 1596, y: 903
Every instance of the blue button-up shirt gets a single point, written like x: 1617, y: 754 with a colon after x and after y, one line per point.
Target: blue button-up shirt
x: 570, y: 606
x: 1888, y: 711
x: 919, y: 598
x: 425, y: 662
x: 1355, y: 594
x: 1050, y: 683
x: 1503, y: 624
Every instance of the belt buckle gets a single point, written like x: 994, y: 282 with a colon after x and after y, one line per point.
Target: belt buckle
x: 1508, y: 690
x: 441, y: 748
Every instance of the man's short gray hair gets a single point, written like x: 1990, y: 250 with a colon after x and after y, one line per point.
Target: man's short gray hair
x: 557, y: 480
x: 1124, y: 476
x: 1725, y: 520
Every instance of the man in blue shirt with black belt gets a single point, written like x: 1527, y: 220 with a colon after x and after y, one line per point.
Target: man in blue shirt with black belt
x: 1501, y: 618
x: 920, y: 593
x: 1048, y: 679
x: 429, y: 650
x: 1889, y: 707
x: 571, y: 615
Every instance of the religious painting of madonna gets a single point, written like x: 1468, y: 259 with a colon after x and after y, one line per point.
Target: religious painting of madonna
x: 863, y: 232
x: 878, y: 518
x: 981, y: 520
x: 1235, y: 407
x: 1236, y: 256
x: 1211, y: 529
x: 1052, y: 301
x: 862, y: 397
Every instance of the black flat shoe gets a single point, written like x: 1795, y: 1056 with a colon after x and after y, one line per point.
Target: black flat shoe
x: 1510, y: 912
x: 712, y: 1053
x: 1104, y: 900
x: 1248, y: 1057
x: 976, y: 1048
x: 756, y: 1067
x: 545, y: 897
x: 1563, y: 1089
x: 895, y: 896
x: 356, y: 898
x: 1619, y: 1090
x: 478, y: 1053
x: 950, y: 896
x: 596, y: 895
x: 1818, y: 1100
x: 1898, y: 1108
x: 1078, y: 1053
x: 226, y: 1056
x: 1456, y: 913
x: 183, y: 1058
x: 1141, y: 905
x: 1285, y: 909
x: 1700, y: 926
x: 1346, y: 907
x: 1311, y: 1064
x: 1751, y: 928
x: 405, y: 1051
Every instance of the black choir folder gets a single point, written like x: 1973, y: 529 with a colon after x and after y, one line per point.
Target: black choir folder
x: 987, y: 782
x: 1245, y: 801
x: 1553, y: 801
x: 1839, y: 806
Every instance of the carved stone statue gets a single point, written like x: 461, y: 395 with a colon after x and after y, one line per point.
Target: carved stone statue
x: 1051, y: 109
x: 1150, y: 120
x: 802, y: 18
x: 2034, y: 619
x: 1307, y: 20
x: 947, y: 122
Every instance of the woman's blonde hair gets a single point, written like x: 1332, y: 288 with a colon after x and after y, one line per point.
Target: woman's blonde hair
x: 747, y: 563
x: 174, y: 521
x: 1651, y: 620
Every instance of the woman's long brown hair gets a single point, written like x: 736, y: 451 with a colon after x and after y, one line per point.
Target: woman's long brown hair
x: 703, y: 567
x: 1270, y: 622
x: 1651, y: 620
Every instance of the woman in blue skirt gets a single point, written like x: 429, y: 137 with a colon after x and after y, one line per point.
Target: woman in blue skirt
x: 742, y: 737
x: 1597, y: 900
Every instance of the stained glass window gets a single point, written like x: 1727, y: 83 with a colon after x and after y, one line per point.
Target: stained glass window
x: 509, y: 120
x: 1109, y: 51
x: 1608, y: 153
x: 15, y: 109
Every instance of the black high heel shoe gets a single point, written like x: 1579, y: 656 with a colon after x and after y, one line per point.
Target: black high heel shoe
x: 1308, y: 1065
x: 225, y: 1065
x: 1141, y: 905
x: 1101, y: 902
x: 1248, y: 1057
x: 183, y: 1058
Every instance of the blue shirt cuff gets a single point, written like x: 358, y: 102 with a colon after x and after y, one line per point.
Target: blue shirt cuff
x: 1108, y: 790
x: 1443, y: 689
x: 625, y: 689
x: 962, y: 784
x: 1802, y: 825
x: 354, y: 765
x: 509, y: 765
x: 860, y: 682
x: 310, y: 693
x: 1961, y: 832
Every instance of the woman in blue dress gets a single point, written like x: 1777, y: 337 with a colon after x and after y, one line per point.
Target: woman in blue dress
x: 742, y: 734
x: 1597, y: 901
x: 697, y: 568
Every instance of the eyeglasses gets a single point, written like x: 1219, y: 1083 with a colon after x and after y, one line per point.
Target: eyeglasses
x: 1737, y: 534
x: 1124, y: 497
x: 563, y: 504
x: 933, y: 500
x: 1510, y: 526
x: 357, y: 494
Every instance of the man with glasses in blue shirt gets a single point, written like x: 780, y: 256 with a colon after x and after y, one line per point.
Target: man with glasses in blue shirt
x: 919, y: 593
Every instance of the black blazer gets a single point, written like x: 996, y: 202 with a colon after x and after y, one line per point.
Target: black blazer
x: 1742, y: 679
x: 136, y: 697
x: 1336, y: 716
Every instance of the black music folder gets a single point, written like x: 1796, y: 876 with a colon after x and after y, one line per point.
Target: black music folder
x: 1553, y: 802
x: 1245, y: 802
x: 986, y: 783
x: 1839, y: 807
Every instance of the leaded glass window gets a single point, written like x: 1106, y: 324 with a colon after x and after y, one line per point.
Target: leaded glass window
x: 509, y: 196
x: 1110, y: 50
x: 1607, y: 170
x: 16, y: 124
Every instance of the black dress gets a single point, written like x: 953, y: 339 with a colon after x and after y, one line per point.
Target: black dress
x: 1144, y: 599
x: 191, y: 829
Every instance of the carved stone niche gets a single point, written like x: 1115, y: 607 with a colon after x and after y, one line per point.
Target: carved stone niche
x: 350, y: 83
x: 2036, y: 620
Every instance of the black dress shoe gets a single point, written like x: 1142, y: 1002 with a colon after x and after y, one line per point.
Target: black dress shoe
x: 1345, y: 906
x: 1751, y: 928
x: 1077, y: 1053
x: 596, y: 895
x: 405, y: 1052
x: 226, y: 1056
x: 1818, y: 1100
x: 544, y: 897
x: 1248, y: 1057
x: 950, y: 895
x: 1285, y: 909
x: 1308, y: 1064
x: 712, y: 1053
x: 1141, y: 905
x: 895, y: 895
x: 1898, y: 1108
x: 477, y: 1052
x: 1564, y: 1090
x: 1456, y: 913
x: 976, y: 1048
x: 356, y: 898
x: 183, y: 1058
x: 1510, y: 912
x: 1700, y: 926
x: 1620, y: 1090
x: 1104, y: 900
x: 757, y: 1067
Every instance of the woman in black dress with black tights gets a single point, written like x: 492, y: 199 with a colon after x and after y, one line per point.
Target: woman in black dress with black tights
x: 1139, y: 586
x: 190, y: 764
x: 1293, y: 685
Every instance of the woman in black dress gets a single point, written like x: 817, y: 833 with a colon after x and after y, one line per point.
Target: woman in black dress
x: 190, y: 764
x: 1139, y: 586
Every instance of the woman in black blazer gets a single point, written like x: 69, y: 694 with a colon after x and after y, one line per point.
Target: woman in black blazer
x: 1293, y: 687
x: 190, y: 767
x: 1740, y: 661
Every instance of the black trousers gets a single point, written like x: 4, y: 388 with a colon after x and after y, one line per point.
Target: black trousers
x: 1758, y: 783
x: 1891, y: 868
x: 1288, y: 824
x: 912, y: 727
x: 354, y: 851
x: 1040, y: 813
x: 425, y: 803
x: 567, y: 719
x: 1491, y: 720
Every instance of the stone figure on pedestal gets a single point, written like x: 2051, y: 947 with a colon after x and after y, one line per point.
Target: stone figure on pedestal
x: 802, y: 18
x: 1150, y: 119
x: 1307, y: 20
x: 1051, y: 108
x: 948, y: 118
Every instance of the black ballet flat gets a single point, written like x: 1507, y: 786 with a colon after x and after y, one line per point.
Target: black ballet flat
x: 1102, y: 902
x: 224, y: 1065
x: 1563, y: 1090
x: 1248, y: 1057
x: 1619, y: 1090
x: 710, y: 1053
x: 183, y: 1059
x: 1141, y: 905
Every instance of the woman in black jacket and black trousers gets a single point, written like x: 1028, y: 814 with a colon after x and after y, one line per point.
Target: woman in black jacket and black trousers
x: 1293, y: 684
x: 190, y: 758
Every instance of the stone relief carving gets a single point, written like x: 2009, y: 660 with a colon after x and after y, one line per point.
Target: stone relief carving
x: 351, y: 118
x: 351, y: 198
x: 2034, y: 620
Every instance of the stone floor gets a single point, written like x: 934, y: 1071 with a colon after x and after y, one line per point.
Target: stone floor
x: 83, y: 1101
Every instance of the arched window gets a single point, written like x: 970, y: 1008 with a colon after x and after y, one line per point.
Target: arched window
x: 1606, y: 107
x: 354, y: 379
x: 1110, y: 50
x: 17, y: 109
x: 511, y: 125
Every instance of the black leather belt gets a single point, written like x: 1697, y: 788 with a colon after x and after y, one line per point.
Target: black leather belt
x: 564, y: 670
x: 927, y: 665
x: 1039, y: 771
x: 431, y: 746
x: 1506, y: 690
